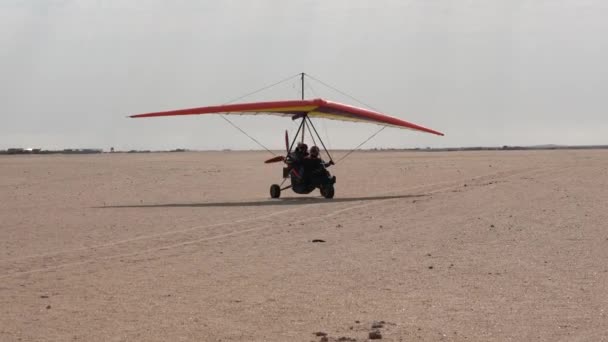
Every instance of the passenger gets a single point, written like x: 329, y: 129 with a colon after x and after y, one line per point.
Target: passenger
x: 315, y: 168
x: 314, y: 156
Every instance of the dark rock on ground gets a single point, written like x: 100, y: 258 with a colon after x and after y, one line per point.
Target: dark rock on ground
x: 378, y: 325
x: 375, y: 335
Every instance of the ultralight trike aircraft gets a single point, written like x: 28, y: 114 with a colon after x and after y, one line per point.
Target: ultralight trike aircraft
x: 302, y: 180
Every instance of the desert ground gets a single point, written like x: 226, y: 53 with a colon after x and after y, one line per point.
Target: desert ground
x: 455, y: 246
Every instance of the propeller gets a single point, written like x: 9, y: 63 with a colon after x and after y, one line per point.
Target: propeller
x: 275, y: 159
x: 280, y: 158
x: 286, y: 142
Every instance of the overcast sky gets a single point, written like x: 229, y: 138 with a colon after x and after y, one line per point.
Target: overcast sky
x: 484, y: 72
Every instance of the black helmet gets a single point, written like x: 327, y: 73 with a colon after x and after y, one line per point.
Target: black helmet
x: 302, y: 147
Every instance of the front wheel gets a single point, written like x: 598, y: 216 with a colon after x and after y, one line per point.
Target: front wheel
x: 328, y: 191
x: 275, y: 191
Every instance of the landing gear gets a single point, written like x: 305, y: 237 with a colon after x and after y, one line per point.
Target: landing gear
x: 275, y: 191
x: 327, y: 191
x: 317, y: 177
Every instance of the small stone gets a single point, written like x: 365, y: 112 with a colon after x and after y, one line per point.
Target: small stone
x: 320, y: 333
x: 44, y: 296
x: 375, y: 335
x: 324, y: 339
x: 430, y: 267
x: 48, y: 307
x: 318, y: 240
x: 346, y: 339
x: 491, y: 226
x: 338, y: 226
x: 377, y: 325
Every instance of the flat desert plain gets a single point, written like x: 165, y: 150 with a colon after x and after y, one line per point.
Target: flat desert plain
x: 459, y: 246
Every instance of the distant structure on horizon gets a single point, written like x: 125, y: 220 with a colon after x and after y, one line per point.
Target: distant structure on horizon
x: 20, y: 150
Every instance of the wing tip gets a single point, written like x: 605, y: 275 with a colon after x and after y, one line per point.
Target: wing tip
x: 136, y: 116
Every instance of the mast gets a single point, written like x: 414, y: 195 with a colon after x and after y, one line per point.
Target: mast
x: 302, y: 128
x: 304, y: 117
x: 302, y: 78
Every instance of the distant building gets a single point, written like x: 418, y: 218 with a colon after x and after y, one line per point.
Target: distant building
x: 15, y: 150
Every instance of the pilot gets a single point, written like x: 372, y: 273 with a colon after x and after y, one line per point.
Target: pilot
x: 297, y: 160
x: 301, y: 151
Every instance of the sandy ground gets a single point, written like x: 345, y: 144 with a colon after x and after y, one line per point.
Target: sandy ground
x: 474, y: 246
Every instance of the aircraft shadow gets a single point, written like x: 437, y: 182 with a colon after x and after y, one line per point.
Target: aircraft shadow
x: 261, y: 203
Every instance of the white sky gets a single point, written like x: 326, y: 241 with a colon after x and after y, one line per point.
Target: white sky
x: 484, y: 72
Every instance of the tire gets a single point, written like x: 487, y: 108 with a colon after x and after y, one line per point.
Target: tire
x: 328, y: 191
x: 275, y: 191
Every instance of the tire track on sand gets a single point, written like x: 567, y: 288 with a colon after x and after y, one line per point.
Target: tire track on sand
x: 192, y: 235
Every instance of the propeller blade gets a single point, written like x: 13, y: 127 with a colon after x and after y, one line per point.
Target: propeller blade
x: 274, y: 159
x: 286, y: 142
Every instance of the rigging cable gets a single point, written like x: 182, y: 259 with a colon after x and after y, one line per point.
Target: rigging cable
x: 249, y: 94
x: 249, y: 136
x: 341, y: 92
x: 264, y: 88
x: 359, y: 101
x: 361, y: 144
x: 310, y: 132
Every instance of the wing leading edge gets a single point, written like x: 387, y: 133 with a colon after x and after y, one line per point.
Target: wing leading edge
x: 317, y: 108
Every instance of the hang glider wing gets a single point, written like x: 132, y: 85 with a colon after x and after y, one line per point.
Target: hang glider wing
x: 317, y: 108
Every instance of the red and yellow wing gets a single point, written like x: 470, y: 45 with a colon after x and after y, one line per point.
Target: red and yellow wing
x: 317, y: 108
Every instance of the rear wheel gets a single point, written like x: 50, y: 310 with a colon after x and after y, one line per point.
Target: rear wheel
x: 328, y: 191
x: 275, y: 191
